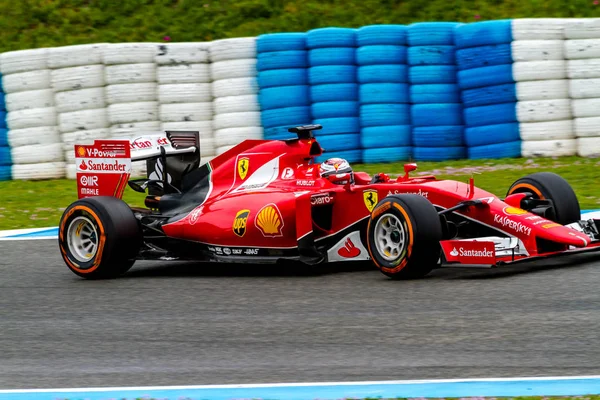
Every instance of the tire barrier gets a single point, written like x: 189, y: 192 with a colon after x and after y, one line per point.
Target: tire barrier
x: 436, y: 110
x: 332, y: 74
x: 383, y: 92
x: 5, y: 157
x: 284, y: 92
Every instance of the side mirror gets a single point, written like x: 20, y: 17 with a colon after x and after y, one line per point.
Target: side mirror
x: 409, y: 168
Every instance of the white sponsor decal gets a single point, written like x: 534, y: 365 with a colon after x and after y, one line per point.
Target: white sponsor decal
x: 227, y: 251
x: 251, y: 252
x: 287, y: 173
x: 350, y: 248
x: 101, y: 154
x: 90, y: 192
x: 88, y: 180
x: 102, y: 165
x: 302, y: 182
x: 321, y: 199
x: 237, y: 252
x: 533, y: 217
x: 420, y: 193
x: 514, y: 225
x: 218, y: 250
x: 194, y: 216
x: 471, y: 253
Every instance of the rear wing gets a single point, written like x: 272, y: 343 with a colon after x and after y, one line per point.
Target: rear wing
x: 104, y: 167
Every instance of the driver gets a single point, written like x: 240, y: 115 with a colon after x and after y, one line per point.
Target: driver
x: 337, y: 170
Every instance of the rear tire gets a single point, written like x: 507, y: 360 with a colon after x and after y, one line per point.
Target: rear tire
x: 550, y: 186
x: 403, y: 236
x: 99, y: 237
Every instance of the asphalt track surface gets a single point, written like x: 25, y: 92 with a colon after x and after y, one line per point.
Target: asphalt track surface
x: 181, y: 323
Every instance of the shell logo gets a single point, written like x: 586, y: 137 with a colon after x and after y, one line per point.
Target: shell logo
x: 269, y: 221
x: 514, y: 211
x: 80, y: 151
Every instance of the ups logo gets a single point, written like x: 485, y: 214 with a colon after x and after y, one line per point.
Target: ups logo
x: 240, y: 222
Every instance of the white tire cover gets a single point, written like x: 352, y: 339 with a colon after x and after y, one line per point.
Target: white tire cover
x: 584, y: 88
x: 207, y: 147
x: 139, y: 169
x: 587, y: 28
x: 23, y: 60
x: 551, y: 130
x: 30, y: 136
x: 540, y: 28
x: 75, y: 56
x: 588, y: 147
x: 31, y: 118
x: 586, y: 107
x: 83, y: 120
x: 233, y: 104
x: 543, y: 90
x: 583, y: 69
x: 234, y: 136
x: 204, y: 127
x: 75, y: 78
x: 585, y: 127
x: 37, y: 153
x: 130, y: 73
x: 71, y: 171
x: 22, y: 81
x: 130, y: 53
x: 133, y: 112
x: 30, y: 99
x: 134, y: 129
x: 242, y: 68
x: 182, y: 53
x: 186, y: 112
x: 39, y: 171
x: 83, y: 137
x: 236, y: 120
x: 131, y: 93
x: 232, y: 49
x: 185, y: 73
x: 549, y: 148
x: 543, y: 110
x: 539, y: 70
x: 222, y: 149
x: 537, y: 50
x: 83, y: 99
x: 582, y: 49
x: 234, y: 87
x: 184, y: 93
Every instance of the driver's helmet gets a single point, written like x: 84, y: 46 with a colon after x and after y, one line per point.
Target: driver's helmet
x: 337, y: 170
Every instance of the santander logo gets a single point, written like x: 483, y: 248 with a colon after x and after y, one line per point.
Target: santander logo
x: 349, y: 250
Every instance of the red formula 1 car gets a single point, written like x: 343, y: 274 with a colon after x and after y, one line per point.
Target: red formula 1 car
x: 264, y: 201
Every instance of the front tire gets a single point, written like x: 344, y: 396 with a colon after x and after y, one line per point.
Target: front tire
x: 403, y: 236
x: 99, y: 237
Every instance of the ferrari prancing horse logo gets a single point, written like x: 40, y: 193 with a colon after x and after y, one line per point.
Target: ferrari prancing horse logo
x: 242, y: 167
x: 370, y: 198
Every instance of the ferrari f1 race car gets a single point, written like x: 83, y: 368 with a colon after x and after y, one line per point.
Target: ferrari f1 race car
x: 265, y: 201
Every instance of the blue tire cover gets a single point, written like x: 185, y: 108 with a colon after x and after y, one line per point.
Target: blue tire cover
x: 339, y: 142
x: 281, y: 132
x: 494, y: 151
x: 490, y: 115
x: 381, y: 54
x: 436, y: 114
x: 284, y: 96
x: 3, y: 120
x: 332, y: 74
x: 386, y: 136
x: 2, y: 102
x: 484, y: 56
x: 492, y: 134
x: 435, y: 93
x: 5, y: 157
x: 381, y: 34
x: 485, y: 76
x: 332, y: 56
x: 431, y: 55
x: 388, y: 73
x: 386, y: 155
x: 334, y: 109
x: 334, y: 92
x: 282, y: 77
x: 384, y: 114
x: 374, y: 93
x: 439, y: 153
x: 352, y: 156
x: 333, y: 126
x: 488, y: 95
x: 431, y: 33
x: 282, y: 59
x: 438, y: 136
x: 331, y: 37
x: 432, y: 74
x: 483, y: 33
x: 281, y: 42
x: 291, y: 116
x: 3, y: 137
x: 5, y: 173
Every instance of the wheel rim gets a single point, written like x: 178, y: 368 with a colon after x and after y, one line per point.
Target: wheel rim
x: 390, y: 237
x: 83, y: 239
